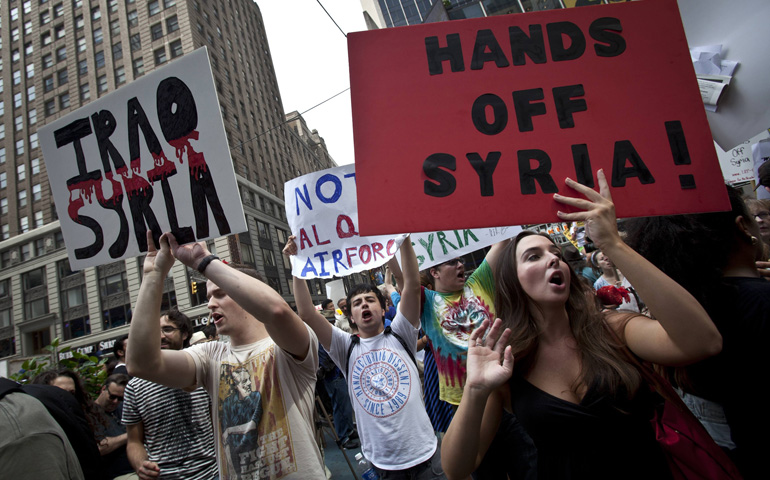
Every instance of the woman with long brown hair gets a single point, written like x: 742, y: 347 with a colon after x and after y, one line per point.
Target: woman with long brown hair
x: 579, y: 397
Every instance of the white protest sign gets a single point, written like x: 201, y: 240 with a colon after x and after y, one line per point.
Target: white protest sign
x: 433, y: 248
x: 322, y: 212
x: 152, y: 155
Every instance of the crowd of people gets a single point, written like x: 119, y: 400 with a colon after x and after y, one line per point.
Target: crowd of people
x: 537, y: 365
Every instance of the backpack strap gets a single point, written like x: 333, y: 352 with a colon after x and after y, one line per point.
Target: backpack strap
x: 354, y: 340
x: 389, y: 331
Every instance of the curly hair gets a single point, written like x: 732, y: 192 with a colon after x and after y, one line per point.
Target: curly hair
x: 603, y: 363
x: 81, y: 395
x: 182, y: 322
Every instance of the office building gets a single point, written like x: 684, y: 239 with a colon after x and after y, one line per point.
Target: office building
x: 58, y: 55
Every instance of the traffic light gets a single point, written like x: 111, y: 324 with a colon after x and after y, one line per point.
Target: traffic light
x: 194, y: 287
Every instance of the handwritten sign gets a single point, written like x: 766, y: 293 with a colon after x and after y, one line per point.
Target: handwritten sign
x: 152, y: 155
x: 322, y: 212
x: 433, y: 248
x: 478, y: 122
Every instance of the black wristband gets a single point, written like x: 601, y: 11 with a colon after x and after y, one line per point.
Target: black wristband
x: 205, y: 262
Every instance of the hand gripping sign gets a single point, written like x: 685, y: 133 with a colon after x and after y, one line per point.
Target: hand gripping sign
x: 322, y: 213
x: 152, y: 155
x: 476, y: 123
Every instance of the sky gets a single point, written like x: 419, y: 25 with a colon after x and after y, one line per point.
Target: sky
x: 310, y: 56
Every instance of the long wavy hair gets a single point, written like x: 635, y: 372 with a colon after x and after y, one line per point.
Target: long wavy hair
x: 85, y: 401
x: 602, y: 359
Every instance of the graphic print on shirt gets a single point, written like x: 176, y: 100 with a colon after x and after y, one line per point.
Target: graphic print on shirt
x: 255, y: 440
x: 381, y: 382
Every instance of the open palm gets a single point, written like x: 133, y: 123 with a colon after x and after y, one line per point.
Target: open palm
x: 490, y: 362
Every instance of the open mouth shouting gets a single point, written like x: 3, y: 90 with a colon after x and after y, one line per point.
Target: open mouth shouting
x: 216, y: 317
x: 556, y: 278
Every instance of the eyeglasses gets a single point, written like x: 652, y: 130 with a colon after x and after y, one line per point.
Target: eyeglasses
x: 454, y: 262
x: 168, y: 330
x: 762, y: 215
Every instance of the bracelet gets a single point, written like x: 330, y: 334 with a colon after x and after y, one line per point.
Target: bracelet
x: 205, y: 263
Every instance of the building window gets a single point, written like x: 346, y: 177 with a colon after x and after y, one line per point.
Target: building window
x: 58, y: 10
x: 37, y: 192
x: 112, y: 284
x: 76, y: 327
x: 156, y: 31
x: 50, y: 107
x: 31, y: 93
x: 136, y: 42
x: 102, y: 83
x: 48, y: 83
x: 73, y: 297
x: 30, y: 70
x: 99, y: 59
x: 263, y: 230
x: 17, y: 100
x: 47, y: 60
x: 2, y: 152
x: 22, y: 198
x: 115, y: 27
x: 268, y: 257
x: 38, y: 220
x: 16, y: 77
x: 133, y: 18
x: 96, y: 14
x: 81, y: 45
x: 176, y: 48
x: 113, y: 6
x: 45, y: 17
x: 98, y: 37
x: 3, y: 181
x: 172, y: 24
x: 35, y: 166
x: 138, y: 67
x: 33, y: 144
x: 160, y: 56
x: 32, y: 116
x: 29, y: 48
x: 3, y: 206
x: 79, y: 23
x: 85, y: 92
x: 35, y: 308
x: 61, y: 54
x: 82, y: 67
x: 117, y: 51
x: 20, y: 148
x: 169, y: 3
x: 18, y: 123
x: 59, y: 31
x: 64, y: 101
x: 62, y: 77
x: 153, y: 7
x: 120, y: 76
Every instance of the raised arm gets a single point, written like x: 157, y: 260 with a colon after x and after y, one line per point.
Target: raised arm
x: 305, y: 307
x: 682, y: 331
x: 493, y: 255
x: 394, y: 270
x: 257, y: 298
x: 144, y: 357
x: 478, y: 417
x: 410, y: 294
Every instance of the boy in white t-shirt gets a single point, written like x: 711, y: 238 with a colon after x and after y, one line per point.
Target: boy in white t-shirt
x: 383, y: 381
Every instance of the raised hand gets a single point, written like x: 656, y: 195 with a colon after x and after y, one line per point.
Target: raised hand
x: 599, y: 211
x: 485, y: 371
x: 190, y: 254
x: 156, y: 260
x: 291, y: 246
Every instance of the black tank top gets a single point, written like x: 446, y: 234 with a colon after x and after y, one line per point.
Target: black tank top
x: 599, y: 438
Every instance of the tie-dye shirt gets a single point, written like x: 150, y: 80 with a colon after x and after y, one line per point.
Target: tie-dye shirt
x: 448, y: 319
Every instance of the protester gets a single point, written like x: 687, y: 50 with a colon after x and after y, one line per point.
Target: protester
x: 170, y: 434
x: 119, y: 351
x: 611, y: 276
x: 343, y: 322
x: 33, y: 444
x: 111, y: 433
x: 712, y: 255
x: 327, y: 310
x: 572, y: 386
x: 260, y: 384
x: 396, y: 434
x: 68, y: 380
x: 760, y: 210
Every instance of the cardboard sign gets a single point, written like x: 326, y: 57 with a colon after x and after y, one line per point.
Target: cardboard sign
x: 433, y: 248
x: 321, y: 211
x: 152, y: 155
x: 476, y: 123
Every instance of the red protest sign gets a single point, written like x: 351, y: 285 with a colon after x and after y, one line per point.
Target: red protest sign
x: 478, y: 122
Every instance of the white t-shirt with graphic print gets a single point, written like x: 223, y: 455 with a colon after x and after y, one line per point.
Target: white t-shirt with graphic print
x: 385, y: 391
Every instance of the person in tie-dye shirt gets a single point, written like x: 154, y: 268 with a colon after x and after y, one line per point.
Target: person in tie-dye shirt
x: 452, y: 312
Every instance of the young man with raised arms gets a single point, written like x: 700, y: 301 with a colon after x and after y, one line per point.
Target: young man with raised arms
x: 261, y: 383
x: 382, y: 377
